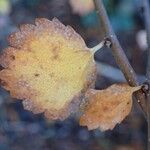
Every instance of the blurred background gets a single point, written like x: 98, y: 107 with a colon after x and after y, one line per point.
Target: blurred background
x: 21, y: 130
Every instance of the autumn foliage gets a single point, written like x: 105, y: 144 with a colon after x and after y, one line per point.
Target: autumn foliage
x: 50, y: 68
x: 107, y: 107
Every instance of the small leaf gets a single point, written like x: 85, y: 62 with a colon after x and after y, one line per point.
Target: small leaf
x: 106, y: 108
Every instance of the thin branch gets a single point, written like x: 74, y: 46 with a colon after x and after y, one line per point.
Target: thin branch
x: 148, y: 117
x: 146, y: 5
x: 146, y: 90
x: 118, y: 52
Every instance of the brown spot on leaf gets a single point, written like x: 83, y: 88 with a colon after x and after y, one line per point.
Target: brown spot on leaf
x: 2, y: 83
x: 12, y: 57
x: 36, y: 74
x: 105, y: 108
x: 51, y: 75
x: 55, y: 52
x: 1, y: 67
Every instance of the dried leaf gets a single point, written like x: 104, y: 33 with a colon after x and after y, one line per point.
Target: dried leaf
x: 49, y: 67
x: 106, y: 108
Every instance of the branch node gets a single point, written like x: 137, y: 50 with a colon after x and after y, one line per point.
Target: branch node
x: 108, y: 41
x: 146, y: 87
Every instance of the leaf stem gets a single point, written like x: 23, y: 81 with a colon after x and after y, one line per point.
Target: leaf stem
x: 106, y: 42
x: 97, y: 47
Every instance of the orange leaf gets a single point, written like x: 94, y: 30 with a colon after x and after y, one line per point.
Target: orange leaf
x: 106, y: 108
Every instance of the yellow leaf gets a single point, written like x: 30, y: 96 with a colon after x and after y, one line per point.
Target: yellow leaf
x: 105, y: 108
x: 49, y: 67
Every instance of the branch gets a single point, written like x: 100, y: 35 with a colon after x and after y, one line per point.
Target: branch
x: 118, y: 52
x: 146, y: 5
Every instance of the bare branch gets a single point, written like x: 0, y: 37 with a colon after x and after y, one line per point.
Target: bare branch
x: 146, y: 5
x: 118, y: 52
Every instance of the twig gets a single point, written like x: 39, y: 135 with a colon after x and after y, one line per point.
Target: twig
x: 148, y: 117
x: 146, y: 90
x: 118, y: 52
x: 146, y: 5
